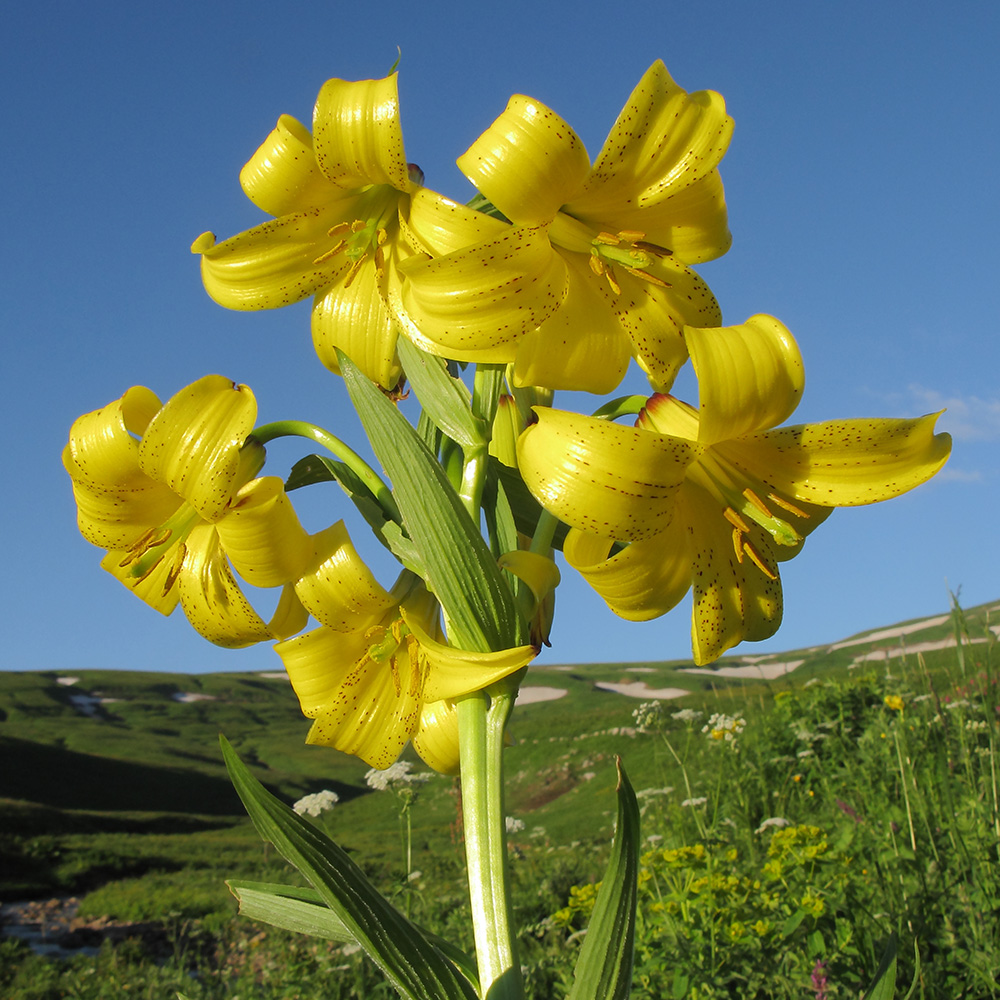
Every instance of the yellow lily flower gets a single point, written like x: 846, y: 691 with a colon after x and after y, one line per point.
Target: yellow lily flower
x: 168, y: 491
x: 335, y: 195
x: 594, y: 269
x: 714, y: 498
x: 377, y: 673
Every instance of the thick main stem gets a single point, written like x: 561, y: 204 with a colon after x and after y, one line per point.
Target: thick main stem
x: 481, y: 725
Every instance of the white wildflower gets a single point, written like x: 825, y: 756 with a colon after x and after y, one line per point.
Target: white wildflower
x: 687, y: 715
x: 394, y: 774
x: 724, y: 727
x: 775, y: 821
x: 700, y: 801
x: 317, y: 803
x: 513, y: 825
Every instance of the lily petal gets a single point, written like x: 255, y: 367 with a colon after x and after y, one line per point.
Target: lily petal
x: 437, y: 225
x: 338, y: 588
x: 539, y: 572
x: 115, y: 520
x: 211, y: 598
x: 733, y: 601
x: 619, y: 482
x: 436, y: 736
x: 579, y: 347
x: 474, y: 304
x: 642, y: 581
x: 262, y: 535
x: 663, y: 141
x: 274, y: 264
x: 157, y: 588
x: 750, y: 377
x: 528, y: 163
x: 361, y: 707
x: 282, y: 177
x: 357, y: 134
x: 453, y: 672
x: 193, y: 443
x: 843, y: 463
x: 103, y: 453
x: 356, y: 320
x: 653, y: 318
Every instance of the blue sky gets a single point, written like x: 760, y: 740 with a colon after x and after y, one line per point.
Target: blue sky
x: 861, y: 184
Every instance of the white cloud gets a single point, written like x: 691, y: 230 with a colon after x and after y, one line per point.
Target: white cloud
x: 968, y: 418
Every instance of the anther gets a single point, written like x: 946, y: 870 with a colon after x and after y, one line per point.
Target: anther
x: 355, y: 268
x: 738, y: 545
x: 757, y: 502
x: 758, y: 561
x: 736, y: 520
x: 790, y: 507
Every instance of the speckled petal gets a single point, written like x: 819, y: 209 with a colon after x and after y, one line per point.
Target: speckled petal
x: 642, y: 581
x: 356, y: 320
x: 529, y: 162
x: 843, y: 463
x: 283, y: 177
x: 211, y: 598
x: 733, y: 601
x: 620, y: 482
x: 436, y: 736
x: 193, y: 443
x: 158, y: 588
x: 693, y: 224
x: 750, y: 377
x: 433, y: 224
x: 581, y: 347
x: 653, y: 317
x: 338, y: 588
x: 473, y: 305
x: 275, y: 264
x: 103, y: 450
x: 357, y: 134
x: 262, y: 536
x: 663, y: 141
x: 453, y: 672
x: 114, y: 520
x: 361, y: 707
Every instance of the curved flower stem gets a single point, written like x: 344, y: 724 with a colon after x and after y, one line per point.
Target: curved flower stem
x: 336, y: 447
x: 481, y: 728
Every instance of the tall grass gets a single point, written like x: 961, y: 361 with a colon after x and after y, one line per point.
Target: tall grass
x: 788, y: 834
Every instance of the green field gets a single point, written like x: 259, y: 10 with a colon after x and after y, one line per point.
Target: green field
x: 776, y: 865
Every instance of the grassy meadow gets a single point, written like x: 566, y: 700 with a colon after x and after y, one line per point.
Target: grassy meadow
x: 792, y: 826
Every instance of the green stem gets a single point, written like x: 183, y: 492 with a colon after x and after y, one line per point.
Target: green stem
x: 336, y: 447
x: 480, y: 727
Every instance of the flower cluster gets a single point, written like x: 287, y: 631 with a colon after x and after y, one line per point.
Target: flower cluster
x: 557, y: 275
x: 317, y: 803
x: 724, y: 728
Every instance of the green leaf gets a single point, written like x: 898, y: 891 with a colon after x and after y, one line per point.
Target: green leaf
x: 884, y: 984
x: 445, y: 400
x: 302, y: 910
x: 320, y: 469
x: 458, y: 567
x: 414, y: 966
x: 604, y: 968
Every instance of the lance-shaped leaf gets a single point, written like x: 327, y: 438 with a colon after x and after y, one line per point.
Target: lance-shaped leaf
x: 604, y: 968
x: 463, y: 575
x: 413, y: 964
x: 883, y: 986
x: 301, y: 909
x: 445, y: 400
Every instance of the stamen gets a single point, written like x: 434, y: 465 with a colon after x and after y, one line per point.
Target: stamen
x: 757, y: 502
x: 596, y: 264
x: 175, y: 569
x: 738, y: 545
x: 608, y: 239
x: 630, y: 235
x: 790, y: 507
x: 355, y: 268
x: 651, y: 278
x: 653, y: 248
x: 758, y: 561
x: 613, y: 281
x: 330, y: 253
x: 734, y: 519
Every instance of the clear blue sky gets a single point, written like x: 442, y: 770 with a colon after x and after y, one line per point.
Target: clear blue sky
x: 862, y: 185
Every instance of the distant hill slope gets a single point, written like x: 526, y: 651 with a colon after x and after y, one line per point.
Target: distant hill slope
x: 148, y: 742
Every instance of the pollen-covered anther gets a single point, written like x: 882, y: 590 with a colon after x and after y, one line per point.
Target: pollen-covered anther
x: 175, y: 569
x: 757, y: 502
x: 332, y: 252
x: 613, y: 280
x: 353, y: 272
x: 790, y: 507
x: 736, y: 520
x: 758, y: 560
x: 596, y: 264
x: 738, y: 545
